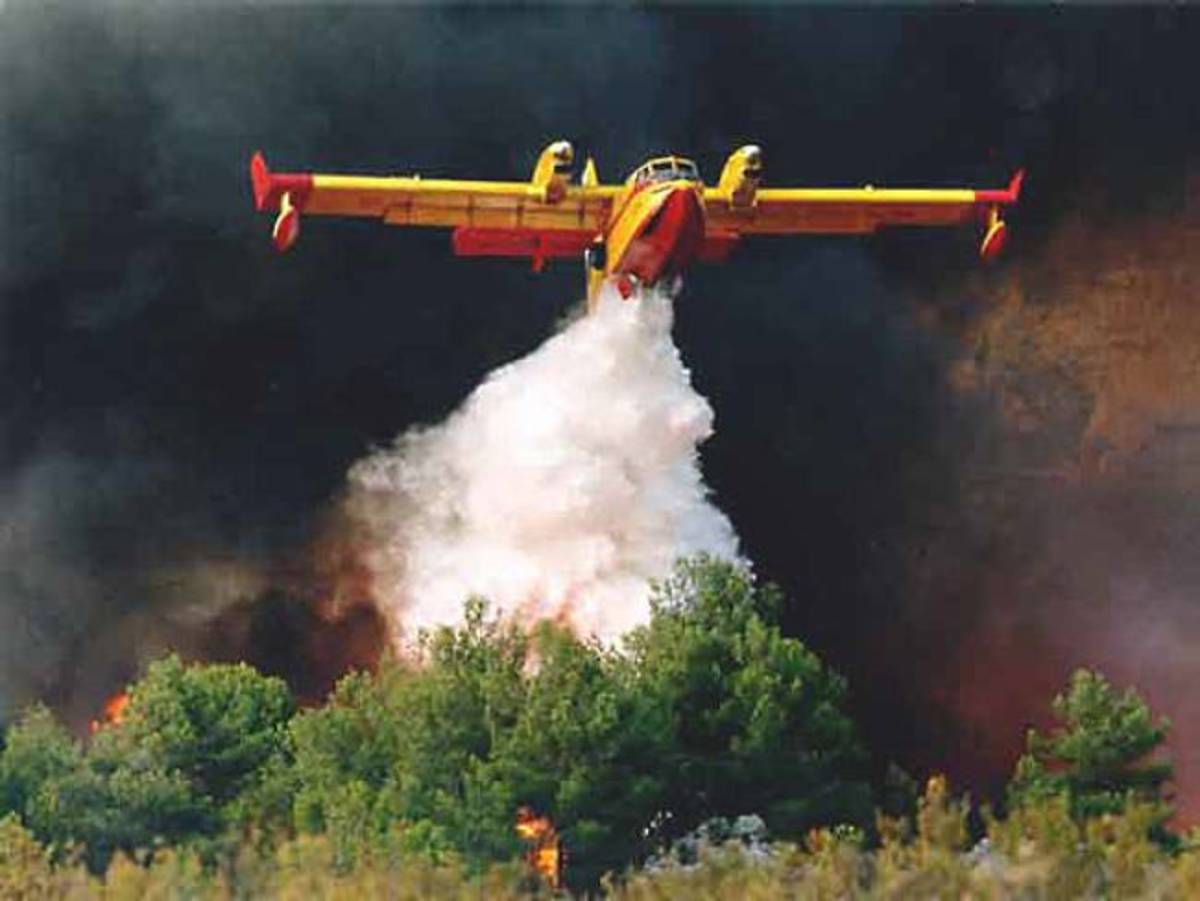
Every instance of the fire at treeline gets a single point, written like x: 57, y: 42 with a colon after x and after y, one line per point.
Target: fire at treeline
x: 709, y: 749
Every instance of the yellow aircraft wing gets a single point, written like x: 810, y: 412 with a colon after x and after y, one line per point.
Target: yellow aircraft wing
x: 780, y: 211
x: 542, y: 218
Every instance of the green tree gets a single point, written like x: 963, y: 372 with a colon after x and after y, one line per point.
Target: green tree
x: 216, y: 725
x: 403, y: 745
x: 467, y: 696
x: 492, y: 719
x: 710, y: 711
x: 193, y: 743
x: 37, y: 751
x: 68, y: 798
x: 103, y: 810
x: 757, y: 721
x: 1099, y: 754
x: 343, y: 757
x: 585, y: 750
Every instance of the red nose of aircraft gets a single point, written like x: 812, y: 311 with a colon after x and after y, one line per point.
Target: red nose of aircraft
x: 671, y: 239
x: 683, y: 220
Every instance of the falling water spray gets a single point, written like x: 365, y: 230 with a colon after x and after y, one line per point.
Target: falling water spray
x: 566, y: 482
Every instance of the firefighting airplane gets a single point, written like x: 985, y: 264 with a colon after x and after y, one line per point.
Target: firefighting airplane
x: 643, y: 232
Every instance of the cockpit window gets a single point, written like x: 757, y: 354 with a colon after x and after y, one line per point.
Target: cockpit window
x: 666, y: 170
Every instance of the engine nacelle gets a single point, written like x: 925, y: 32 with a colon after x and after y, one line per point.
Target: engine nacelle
x: 553, y: 171
x: 741, y: 175
x: 995, y: 236
x: 287, y: 223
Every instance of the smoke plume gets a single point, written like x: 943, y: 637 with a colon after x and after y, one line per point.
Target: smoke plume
x: 1071, y: 540
x: 566, y: 481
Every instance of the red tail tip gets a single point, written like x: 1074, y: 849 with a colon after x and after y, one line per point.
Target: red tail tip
x: 1014, y: 186
x: 1003, y: 196
x: 260, y: 180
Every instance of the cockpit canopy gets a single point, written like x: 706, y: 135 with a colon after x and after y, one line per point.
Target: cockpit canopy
x: 666, y: 168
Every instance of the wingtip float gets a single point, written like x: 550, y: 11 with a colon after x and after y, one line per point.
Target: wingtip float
x: 642, y: 232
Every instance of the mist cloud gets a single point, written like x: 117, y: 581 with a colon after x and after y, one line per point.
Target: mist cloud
x: 566, y: 482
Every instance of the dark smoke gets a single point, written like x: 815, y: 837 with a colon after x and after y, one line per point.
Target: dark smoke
x: 316, y: 620
x: 1071, y: 540
x: 179, y: 407
x: 298, y: 638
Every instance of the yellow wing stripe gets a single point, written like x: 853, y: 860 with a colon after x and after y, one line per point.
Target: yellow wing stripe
x: 838, y: 210
x: 869, y: 196
x: 448, y: 202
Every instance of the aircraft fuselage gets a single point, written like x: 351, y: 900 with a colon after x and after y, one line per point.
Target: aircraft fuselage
x: 656, y: 227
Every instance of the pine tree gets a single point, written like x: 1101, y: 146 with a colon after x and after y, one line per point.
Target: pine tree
x: 1100, y: 756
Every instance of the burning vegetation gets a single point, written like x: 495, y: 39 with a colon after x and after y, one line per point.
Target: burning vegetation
x: 113, y: 713
x: 545, y: 854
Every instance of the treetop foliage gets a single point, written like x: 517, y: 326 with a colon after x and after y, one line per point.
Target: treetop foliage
x: 708, y: 711
x: 1098, y: 756
x: 743, y: 701
x: 191, y: 744
x: 215, y: 726
x: 706, y: 714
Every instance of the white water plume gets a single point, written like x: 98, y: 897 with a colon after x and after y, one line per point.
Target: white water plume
x: 566, y: 481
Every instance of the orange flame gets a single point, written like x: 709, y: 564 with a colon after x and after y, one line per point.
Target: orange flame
x: 113, y: 713
x: 545, y: 852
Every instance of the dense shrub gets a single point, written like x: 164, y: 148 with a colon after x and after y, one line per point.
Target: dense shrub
x: 1040, y: 852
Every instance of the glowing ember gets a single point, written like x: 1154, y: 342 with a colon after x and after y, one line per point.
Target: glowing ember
x: 113, y: 714
x: 545, y: 852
